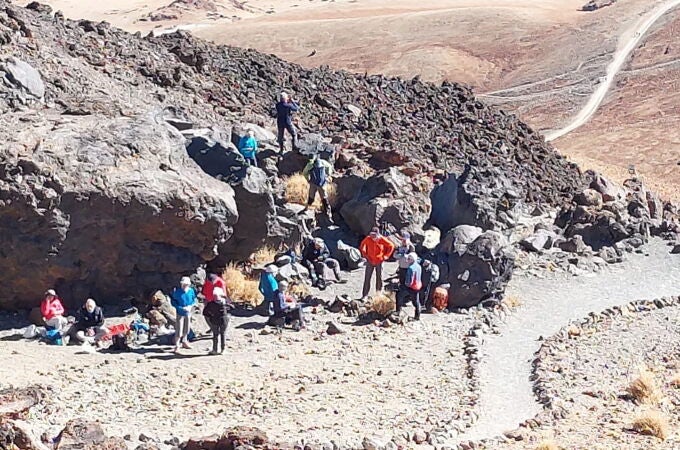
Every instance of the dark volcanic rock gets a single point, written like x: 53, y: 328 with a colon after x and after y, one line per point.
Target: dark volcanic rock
x: 79, y: 434
x: 104, y: 208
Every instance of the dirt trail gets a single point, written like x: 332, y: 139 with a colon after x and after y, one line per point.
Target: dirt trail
x: 506, y: 397
x: 630, y: 41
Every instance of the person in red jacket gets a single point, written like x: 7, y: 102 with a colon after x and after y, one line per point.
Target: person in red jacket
x: 209, y: 286
x: 376, y: 249
x: 53, y: 311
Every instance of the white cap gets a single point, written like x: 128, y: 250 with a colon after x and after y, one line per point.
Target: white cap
x: 51, y: 292
x: 185, y: 281
x: 271, y: 269
x: 412, y: 257
x: 318, y: 241
x: 283, y: 285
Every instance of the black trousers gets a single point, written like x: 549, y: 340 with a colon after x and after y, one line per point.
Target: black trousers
x: 403, y: 296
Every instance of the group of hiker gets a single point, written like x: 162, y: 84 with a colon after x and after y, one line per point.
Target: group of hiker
x: 88, y: 326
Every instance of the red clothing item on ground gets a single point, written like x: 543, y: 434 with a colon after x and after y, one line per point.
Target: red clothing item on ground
x: 376, y: 251
x: 209, y: 287
x: 51, y: 308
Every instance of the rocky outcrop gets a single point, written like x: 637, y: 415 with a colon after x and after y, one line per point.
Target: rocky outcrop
x: 594, y: 5
x: 104, y: 208
x: 478, y: 270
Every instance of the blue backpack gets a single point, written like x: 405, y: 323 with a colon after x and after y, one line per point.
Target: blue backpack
x: 53, y: 337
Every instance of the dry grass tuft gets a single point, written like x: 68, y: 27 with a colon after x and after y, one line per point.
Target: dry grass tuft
x: 383, y: 304
x: 299, y: 290
x: 297, y: 190
x: 652, y: 423
x: 241, y: 288
x: 512, y: 301
x: 645, y: 389
x: 263, y: 255
x: 547, y: 445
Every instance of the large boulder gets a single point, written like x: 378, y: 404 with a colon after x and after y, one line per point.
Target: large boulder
x: 79, y: 434
x: 482, y: 272
x: 390, y: 198
x: 104, y: 208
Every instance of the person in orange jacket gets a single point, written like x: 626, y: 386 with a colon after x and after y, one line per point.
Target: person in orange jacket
x: 376, y: 249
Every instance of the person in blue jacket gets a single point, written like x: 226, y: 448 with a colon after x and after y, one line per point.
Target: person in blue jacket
x: 284, y: 120
x: 183, y: 299
x: 411, y: 286
x: 248, y: 148
x: 269, y: 286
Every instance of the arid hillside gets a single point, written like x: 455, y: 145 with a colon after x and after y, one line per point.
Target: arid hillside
x: 540, y: 60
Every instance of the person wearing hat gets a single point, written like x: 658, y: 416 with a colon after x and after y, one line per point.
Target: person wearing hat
x: 376, y: 249
x: 216, y: 313
x: 316, y: 257
x: 183, y: 299
x: 317, y: 172
x: 269, y: 285
x: 412, y: 285
x: 89, y: 326
x: 52, y: 310
x: 400, y: 254
x: 286, y: 309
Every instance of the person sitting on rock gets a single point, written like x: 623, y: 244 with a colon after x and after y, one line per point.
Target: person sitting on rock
x: 430, y: 280
x: 216, y: 313
x: 286, y: 309
x: 284, y: 120
x: 248, y: 148
x: 183, y: 298
x: 89, y: 327
x: 401, y: 252
x: 268, y: 286
x: 52, y: 310
x: 316, y: 257
x: 376, y: 249
x: 317, y: 172
x: 213, y: 281
x: 412, y: 286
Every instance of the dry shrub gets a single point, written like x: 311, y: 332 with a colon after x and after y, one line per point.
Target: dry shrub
x: 299, y: 290
x: 297, y: 190
x: 512, y: 301
x: 645, y: 389
x: 383, y: 304
x: 547, y: 445
x: 652, y: 423
x: 263, y: 255
x: 241, y: 288
x: 675, y: 381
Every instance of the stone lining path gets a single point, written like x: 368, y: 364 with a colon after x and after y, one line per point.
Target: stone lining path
x: 506, y: 397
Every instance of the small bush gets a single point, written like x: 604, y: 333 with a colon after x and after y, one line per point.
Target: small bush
x: 299, y: 290
x: 264, y: 255
x: 547, y: 445
x: 297, y: 190
x: 512, y: 301
x: 675, y: 381
x: 645, y: 389
x: 383, y: 304
x: 652, y: 423
x: 241, y: 288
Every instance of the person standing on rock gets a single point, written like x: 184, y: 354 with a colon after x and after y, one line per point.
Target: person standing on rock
x: 89, y: 327
x: 248, y: 148
x: 318, y: 172
x: 53, y: 311
x: 412, y: 286
x: 216, y: 313
x: 183, y: 298
x: 284, y: 120
x: 376, y: 249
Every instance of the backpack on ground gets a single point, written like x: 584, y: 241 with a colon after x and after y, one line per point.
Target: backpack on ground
x: 119, y: 343
x: 350, y: 256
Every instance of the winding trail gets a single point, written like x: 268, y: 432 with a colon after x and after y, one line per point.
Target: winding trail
x: 506, y: 397
x: 620, y: 57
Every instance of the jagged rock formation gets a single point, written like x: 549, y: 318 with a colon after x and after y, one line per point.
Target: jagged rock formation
x: 594, y: 5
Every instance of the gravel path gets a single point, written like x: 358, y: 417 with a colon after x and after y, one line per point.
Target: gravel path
x: 506, y: 397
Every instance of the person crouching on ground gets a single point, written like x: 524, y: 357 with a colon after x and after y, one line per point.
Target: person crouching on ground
x: 52, y: 310
x: 286, y: 310
x: 376, y: 249
x: 316, y: 257
x: 412, y: 286
x: 216, y: 313
x: 183, y: 298
x: 248, y: 148
x: 89, y: 327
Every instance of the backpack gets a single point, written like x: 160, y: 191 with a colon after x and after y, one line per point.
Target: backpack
x: 317, y: 175
x: 119, y: 343
x: 350, y: 255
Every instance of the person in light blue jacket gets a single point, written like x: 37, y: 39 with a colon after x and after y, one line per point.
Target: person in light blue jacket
x: 183, y: 298
x: 269, y: 286
x: 248, y: 148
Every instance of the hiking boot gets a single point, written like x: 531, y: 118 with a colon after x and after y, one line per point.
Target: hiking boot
x: 342, y: 281
x: 214, y: 353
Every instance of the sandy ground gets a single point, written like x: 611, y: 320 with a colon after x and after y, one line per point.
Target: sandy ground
x: 295, y: 386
